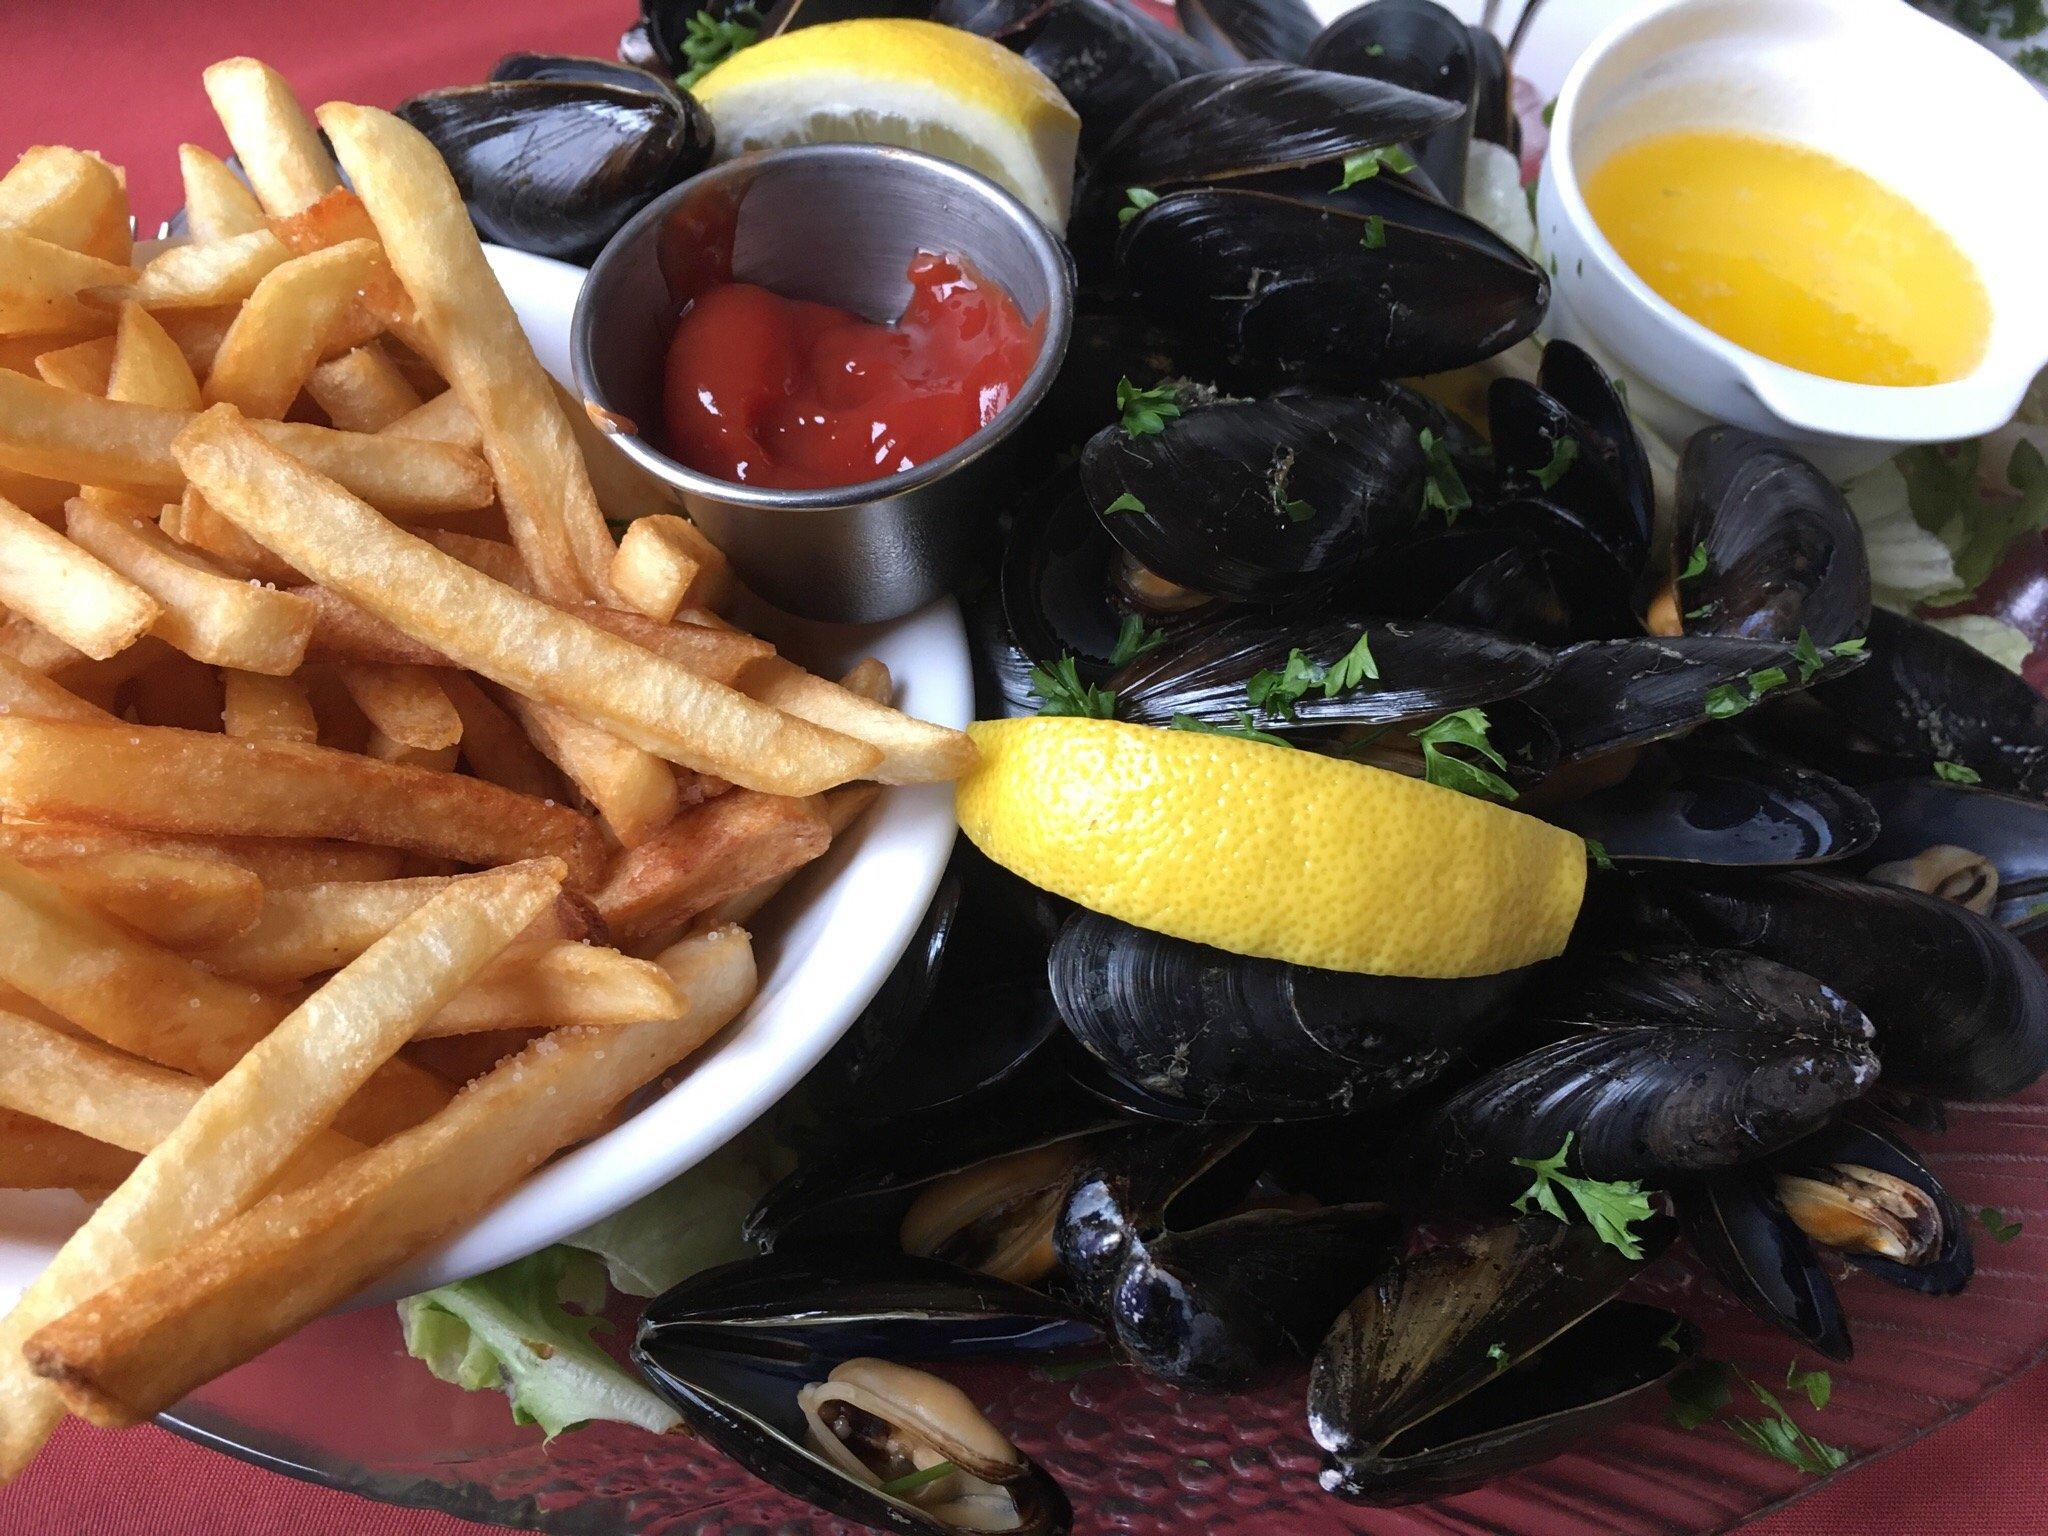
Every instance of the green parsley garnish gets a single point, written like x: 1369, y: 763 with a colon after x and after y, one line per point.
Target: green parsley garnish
x: 1725, y: 700
x: 1698, y: 1392
x: 1463, y: 728
x: 1351, y: 669
x: 1562, y: 454
x: 1670, y: 1339
x: 2014, y: 19
x: 1367, y: 164
x: 1957, y: 773
x: 1060, y: 691
x: 1145, y: 412
x: 1781, y: 1439
x: 709, y: 42
x: 1443, y: 488
x: 1597, y: 852
x: 2032, y: 62
x: 1134, y: 640
x: 910, y: 1482
x: 1136, y: 201
x: 1702, y: 1390
x: 1728, y: 699
x: 1613, y: 1206
x: 1549, y: 111
x: 1294, y: 511
x: 1374, y: 50
x: 1696, y: 565
x: 1498, y: 1354
x: 1818, y: 1386
x: 1811, y: 659
x: 1375, y: 236
x: 1276, y: 693
x: 1994, y: 1222
x: 1124, y: 503
x: 1244, y: 730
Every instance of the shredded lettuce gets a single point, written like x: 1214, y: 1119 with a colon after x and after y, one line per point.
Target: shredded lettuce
x: 1948, y: 499
x: 2004, y: 644
x: 1494, y: 196
x: 1908, y: 564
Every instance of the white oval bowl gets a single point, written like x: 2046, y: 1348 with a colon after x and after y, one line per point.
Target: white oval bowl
x: 824, y: 945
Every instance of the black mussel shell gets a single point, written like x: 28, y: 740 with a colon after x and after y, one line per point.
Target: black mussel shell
x: 1057, y: 582
x: 1860, y: 1141
x: 1724, y: 808
x: 1239, y: 1038
x: 1593, y: 578
x: 731, y: 1347
x: 1473, y: 574
x: 556, y: 166
x: 1105, y: 348
x: 1473, y: 1358
x: 1608, y: 694
x: 1658, y: 1063
x: 1571, y: 377
x: 1258, y: 500
x: 1493, y: 110
x: 1530, y: 430
x: 1424, y: 670
x: 1104, y: 60
x: 1420, y: 45
x: 1514, y: 593
x: 1294, y: 285
x: 1961, y: 1008
x: 1252, y: 30
x: 1740, y: 1231
x: 570, y: 66
x: 1926, y: 697
x: 2009, y: 832
x: 1784, y: 554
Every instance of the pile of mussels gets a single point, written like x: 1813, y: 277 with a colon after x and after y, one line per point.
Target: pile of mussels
x: 1820, y: 827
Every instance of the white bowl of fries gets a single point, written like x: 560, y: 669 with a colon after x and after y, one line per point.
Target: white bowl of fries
x: 376, y: 825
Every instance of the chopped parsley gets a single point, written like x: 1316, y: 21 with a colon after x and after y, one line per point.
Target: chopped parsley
x: 1124, y: 503
x: 2012, y: 19
x: 1134, y: 640
x: 1136, y: 201
x: 1145, y: 412
x: 1295, y: 511
x: 1670, y: 1339
x: 1725, y: 700
x: 1351, y: 669
x: 1698, y: 1392
x: 1597, y: 852
x: 1443, y: 488
x: 1060, y: 691
x: 1245, y: 729
x: 1957, y: 773
x: 1498, y: 1354
x: 1703, y: 1389
x: 1463, y: 728
x: 1562, y: 455
x: 1695, y: 565
x: 1778, y: 1437
x: 1276, y: 693
x: 1375, y: 236
x: 1818, y: 1386
x: 1994, y: 1222
x: 1368, y: 163
x: 1811, y: 659
x: 1374, y: 50
x: 910, y: 1482
x: 1612, y: 1206
x: 708, y: 42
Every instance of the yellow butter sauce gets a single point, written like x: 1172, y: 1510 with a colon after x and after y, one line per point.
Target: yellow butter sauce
x: 1790, y: 253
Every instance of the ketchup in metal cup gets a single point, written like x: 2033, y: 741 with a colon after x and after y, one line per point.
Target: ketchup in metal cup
x: 800, y: 396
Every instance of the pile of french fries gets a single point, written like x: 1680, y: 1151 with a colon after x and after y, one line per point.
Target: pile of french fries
x: 373, y: 822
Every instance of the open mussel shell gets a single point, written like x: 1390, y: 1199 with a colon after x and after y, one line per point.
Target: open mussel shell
x: 1739, y: 1230
x: 571, y: 66
x: 1425, y: 670
x: 1104, y: 59
x: 1657, y: 1064
x: 1471, y: 574
x: 1475, y: 1357
x: 1590, y: 581
x: 1723, y: 808
x: 1859, y: 1191
x: 1926, y: 697
x: 1252, y: 30
x: 1239, y: 1038
x: 555, y: 164
x: 1300, y: 287
x: 1420, y: 45
x: 1784, y: 553
x: 1961, y: 1008
x: 1927, y: 823
x: 734, y: 1350
x: 1568, y: 375
x: 1589, y: 479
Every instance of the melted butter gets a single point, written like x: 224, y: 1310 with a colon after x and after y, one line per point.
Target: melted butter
x: 1790, y: 253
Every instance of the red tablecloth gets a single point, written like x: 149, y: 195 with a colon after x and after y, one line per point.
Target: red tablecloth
x: 122, y: 77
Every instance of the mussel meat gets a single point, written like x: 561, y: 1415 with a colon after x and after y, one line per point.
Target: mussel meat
x: 1983, y: 848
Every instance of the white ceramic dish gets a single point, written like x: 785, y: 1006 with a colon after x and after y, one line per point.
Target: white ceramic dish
x: 1875, y: 83
x: 824, y: 945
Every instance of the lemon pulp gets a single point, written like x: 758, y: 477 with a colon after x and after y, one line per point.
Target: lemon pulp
x: 1794, y: 255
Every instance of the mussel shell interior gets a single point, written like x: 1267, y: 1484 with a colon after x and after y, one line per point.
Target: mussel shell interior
x: 1570, y: 376
x: 2009, y: 830
x: 1861, y: 1140
x: 1740, y: 1231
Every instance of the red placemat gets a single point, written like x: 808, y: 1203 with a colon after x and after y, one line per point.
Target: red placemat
x: 122, y: 77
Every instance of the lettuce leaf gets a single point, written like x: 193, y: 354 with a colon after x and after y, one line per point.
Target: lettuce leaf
x: 2004, y: 644
x: 1908, y: 564
x: 1943, y: 487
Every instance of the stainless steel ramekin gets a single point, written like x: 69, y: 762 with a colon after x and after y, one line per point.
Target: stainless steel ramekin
x: 839, y: 224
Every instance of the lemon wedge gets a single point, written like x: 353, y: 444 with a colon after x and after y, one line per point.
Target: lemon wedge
x: 1265, y: 850
x: 911, y: 83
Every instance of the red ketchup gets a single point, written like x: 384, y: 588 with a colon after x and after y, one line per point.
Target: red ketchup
x: 785, y: 393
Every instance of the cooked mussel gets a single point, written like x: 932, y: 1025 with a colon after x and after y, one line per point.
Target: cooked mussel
x: 1478, y: 1356
x: 793, y: 1372
x: 1105, y: 60
x: 557, y: 157
x: 1783, y: 554
x: 1741, y: 1232
x: 1418, y: 44
x: 1238, y: 1038
x: 1546, y: 451
x: 1251, y: 30
x: 1658, y: 1063
x: 1983, y: 848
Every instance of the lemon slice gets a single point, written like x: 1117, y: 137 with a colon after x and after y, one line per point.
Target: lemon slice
x: 911, y: 83
x: 1265, y: 850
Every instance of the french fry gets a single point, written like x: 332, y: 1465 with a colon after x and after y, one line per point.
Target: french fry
x: 913, y: 751
x: 279, y: 149
x: 194, y: 523
x: 83, y: 366
x: 41, y: 283
x: 24, y: 691
x: 633, y: 791
x: 194, y: 782
x: 839, y: 808
x: 203, y: 275
x: 388, y: 749
x: 870, y: 679
x: 722, y: 655
x: 493, y: 744
x: 246, y: 1128
x: 62, y: 436
x: 218, y: 204
x: 35, y: 1155
x: 345, y: 631
x: 208, y: 614
x: 35, y: 495
x: 405, y: 703
x: 199, y: 333
x: 443, y: 419
x: 147, y: 367
x: 143, y: 1343
x: 69, y: 198
x: 46, y: 578
x: 35, y: 647
x: 538, y: 651
x: 625, y: 491
x: 362, y: 390
x: 282, y: 332
x: 474, y: 339
x: 555, y: 987
x: 259, y: 708
x: 494, y: 557
x: 281, y: 863
x: 663, y: 563
x: 176, y: 899
x: 709, y: 853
